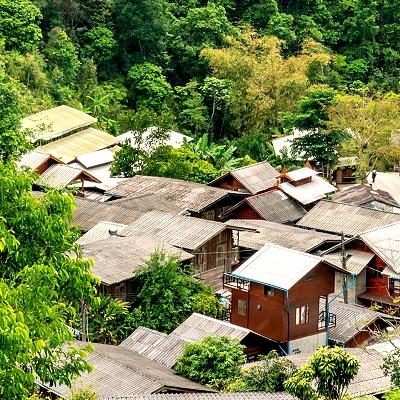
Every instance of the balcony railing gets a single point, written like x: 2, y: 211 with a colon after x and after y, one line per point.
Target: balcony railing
x: 324, y: 322
x: 233, y: 282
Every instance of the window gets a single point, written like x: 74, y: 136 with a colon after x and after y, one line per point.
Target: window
x: 242, y: 307
x: 269, y: 291
x: 303, y: 314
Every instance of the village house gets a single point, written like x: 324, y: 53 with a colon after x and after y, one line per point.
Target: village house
x: 276, y: 293
x: 116, y: 259
x: 251, y: 179
x: 373, y: 258
x: 272, y: 206
x: 335, y: 218
x: 345, y: 170
x: 304, y: 186
x: 37, y: 162
x: 366, y: 196
x: 166, y: 349
x: 209, y: 241
x: 195, y: 198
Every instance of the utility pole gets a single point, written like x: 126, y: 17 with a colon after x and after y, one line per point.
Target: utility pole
x: 344, y: 267
x: 84, y: 321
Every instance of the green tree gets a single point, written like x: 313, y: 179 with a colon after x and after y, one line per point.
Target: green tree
x: 269, y: 376
x: 149, y: 87
x: 214, y: 361
x: 19, y: 20
x: 390, y: 367
x: 168, y: 294
x: 392, y: 395
x: 328, y: 373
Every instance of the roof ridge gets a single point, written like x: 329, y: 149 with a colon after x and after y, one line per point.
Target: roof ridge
x: 220, y: 322
x: 357, y: 206
x: 379, y: 228
x: 269, y: 244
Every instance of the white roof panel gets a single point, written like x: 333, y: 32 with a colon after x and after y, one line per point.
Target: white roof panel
x: 96, y: 158
x: 277, y: 266
x: 301, y: 173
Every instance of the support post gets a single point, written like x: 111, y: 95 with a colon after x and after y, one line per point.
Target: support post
x: 344, y: 267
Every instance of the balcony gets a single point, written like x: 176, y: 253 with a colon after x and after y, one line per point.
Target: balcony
x: 232, y: 282
x: 324, y: 322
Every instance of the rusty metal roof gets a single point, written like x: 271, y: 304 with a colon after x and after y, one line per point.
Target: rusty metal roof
x: 89, y: 213
x: 121, y: 372
x: 362, y: 194
x: 116, y: 259
x: 334, y: 217
x: 160, y: 347
x: 272, y: 206
x: 284, y: 235
x: 255, y: 177
x: 181, y: 231
x: 56, y: 122
x: 68, y: 148
x: 183, y: 194
x: 60, y: 175
x: 208, y: 396
x: 35, y: 159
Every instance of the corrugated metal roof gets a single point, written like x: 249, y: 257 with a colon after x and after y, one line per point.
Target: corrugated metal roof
x: 207, y: 396
x: 277, y: 266
x: 309, y: 192
x: 183, y: 194
x: 89, y: 213
x: 184, y: 232
x: 272, y: 206
x: 369, y: 379
x: 96, y: 158
x: 56, y: 122
x: 116, y: 258
x: 334, y: 217
x: 350, y: 320
x: 363, y: 194
x: 60, y: 175
x: 199, y: 326
x: 100, y: 231
x: 146, y: 202
x: 255, y: 177
x: 68, y: 148
x: 354, y: 264
x: 35, y: 159
x: 385, y: 242
x: 121, y: 372
x: 159, y: 347
x: 284, y: 235
x: 301, y: 173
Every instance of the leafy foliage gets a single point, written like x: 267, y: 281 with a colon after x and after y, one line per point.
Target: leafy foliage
x: 391, y: 364
x: 168, y: 294
x: 214, y: 361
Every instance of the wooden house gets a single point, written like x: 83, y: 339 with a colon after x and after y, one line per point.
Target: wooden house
x: 194, y: 198
x: 373, y: 257
x: 38, y: 162
x: 345, y: 171
x: 116, y: 259
x: 272, y: 206
x: 277, y: 294
x: 251, y: 179
x: 209, y: 241
x: 305, y: 186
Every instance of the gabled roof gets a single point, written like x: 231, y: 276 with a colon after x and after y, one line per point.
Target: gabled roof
x: 385, y: 242
x: 160, y: 347
x: 56, y: 122
x: 183, y: 194
x: 357, y: 261
x: 301, y: 173
x: 352, y: 319
x: 334, y: 217
x: 362, y: 194
x: 68, y: 148
x: 96, y: 158
x: 116, y: 258
x: 277, y: 266
x: 101, y: 231
x: 89, y: 213
x: 121, y: 372
x: 284, y: 235
x: 60, y: 175
x: 255, y: 177
x: 309, y: 192
x: 208, y: 396
x: 35, y: 159
x: 272, y: 206
x: 146, y: 202
x: 184, y: 232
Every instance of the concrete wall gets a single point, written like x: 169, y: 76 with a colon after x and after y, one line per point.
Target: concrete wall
x: 308, y: 344
x: 354, y: 291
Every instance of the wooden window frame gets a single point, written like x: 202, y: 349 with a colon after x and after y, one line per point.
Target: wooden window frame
x: 303, y: 314
x: 242, y: 307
